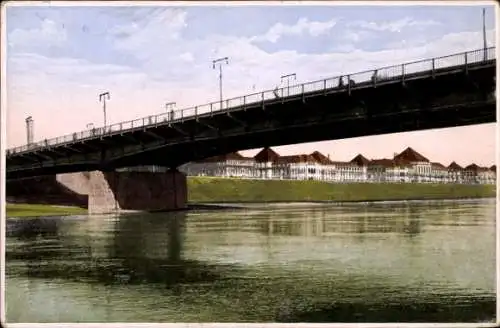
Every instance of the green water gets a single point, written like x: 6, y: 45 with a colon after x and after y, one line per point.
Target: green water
x: 385, y: 262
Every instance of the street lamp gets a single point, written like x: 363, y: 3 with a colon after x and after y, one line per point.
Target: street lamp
x: 170, y: 105
x: 103, y: 97
x: 29, y: 130
x: 219, y: 62
x: 288, y: 77
x: 485, y: 45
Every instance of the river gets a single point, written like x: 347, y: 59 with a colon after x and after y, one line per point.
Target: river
x: 428, y: 261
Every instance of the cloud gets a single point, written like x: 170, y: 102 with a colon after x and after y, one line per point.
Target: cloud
x: 392, y: 26
x: 168, y: 23
x: 186, y: 56
x: 48, y: 34
x: 356, y: 36
x: 302, y: 26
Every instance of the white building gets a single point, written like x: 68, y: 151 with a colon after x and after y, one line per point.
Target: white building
x: 439, y: 173
x: 487, y: 175
x: 400, y: 172
x: 407, y: 166
x: 229, y: 165
x: 477, y: 174
x: 264, y: 161
x: 348, y: 172
x: 421, y: 169
x: 363, y: 164
x: 471, y: 174
x: 377, y: 170
x: 455, y: 173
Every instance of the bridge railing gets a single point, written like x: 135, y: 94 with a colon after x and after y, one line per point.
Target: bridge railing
x: 395, y: 72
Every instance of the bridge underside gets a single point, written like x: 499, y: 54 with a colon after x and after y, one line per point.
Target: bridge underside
x: 454, y: 99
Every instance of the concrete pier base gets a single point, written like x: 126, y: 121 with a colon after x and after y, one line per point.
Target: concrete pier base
x: 105, y: 192
x: 143, y: 191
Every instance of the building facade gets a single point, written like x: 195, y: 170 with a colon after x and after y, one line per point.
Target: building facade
x: 409, y: 166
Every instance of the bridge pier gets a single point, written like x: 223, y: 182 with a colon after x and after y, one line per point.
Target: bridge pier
x: 142, y: 191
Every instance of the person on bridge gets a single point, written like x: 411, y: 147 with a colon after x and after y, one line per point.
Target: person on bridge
x: 276, y: 94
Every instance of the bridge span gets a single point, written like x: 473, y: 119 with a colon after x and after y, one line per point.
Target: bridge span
x: 453, y: 90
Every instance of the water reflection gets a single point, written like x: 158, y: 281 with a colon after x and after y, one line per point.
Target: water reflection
x: 130, y: 250
x: 322, y: 223
x: 413, y: 261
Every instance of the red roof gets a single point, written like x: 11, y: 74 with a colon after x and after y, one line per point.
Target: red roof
x: 266, y: 155
x: 455, y: 166
x: 438, y: 165
x: 385, y: 162
x: 410, y: 155
x: 320, y: 158
x: 402, y: 164
x: 476, y: 168
x: 302, y: 158
x: 472, y: 167
x: 360, y: 160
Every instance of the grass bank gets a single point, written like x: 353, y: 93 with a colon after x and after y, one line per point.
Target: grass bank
x: 206, y: 190
x: 220, y: 190
x: 27, y: 210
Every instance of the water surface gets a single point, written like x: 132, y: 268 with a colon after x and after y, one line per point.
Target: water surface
x: 378, y: 262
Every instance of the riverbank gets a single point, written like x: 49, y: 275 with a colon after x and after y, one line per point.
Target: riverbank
x: 29, y: 210
x: 206, y: 193
x: 221, y: 190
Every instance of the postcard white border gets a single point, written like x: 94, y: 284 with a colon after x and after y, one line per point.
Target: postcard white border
x: 3, y: 145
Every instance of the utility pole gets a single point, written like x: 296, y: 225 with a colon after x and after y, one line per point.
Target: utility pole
x: 287, y: 77
x: 485, y: 57
x: 220, y: 61
x: 102, y: 97
x: 29, y: 130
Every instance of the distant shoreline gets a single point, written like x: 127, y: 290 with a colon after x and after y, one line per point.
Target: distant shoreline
x: 63, y: 210
x: 216, y: 204
x: 211, y: 193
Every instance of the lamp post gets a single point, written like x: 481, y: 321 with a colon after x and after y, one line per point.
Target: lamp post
x: 29, y: 130
x: 288, y: 77
x: 102, y: 98
x: 485, y: 45
x: 170, y: 105
x: 219, y: 62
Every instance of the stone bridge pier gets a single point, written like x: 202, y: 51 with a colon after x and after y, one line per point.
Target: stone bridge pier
x: 136, y: 190
x: 104, y: 192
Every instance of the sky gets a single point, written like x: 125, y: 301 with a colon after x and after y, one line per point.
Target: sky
x: 59, y: 59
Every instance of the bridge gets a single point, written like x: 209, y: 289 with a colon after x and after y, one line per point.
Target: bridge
x: 453, y: 90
